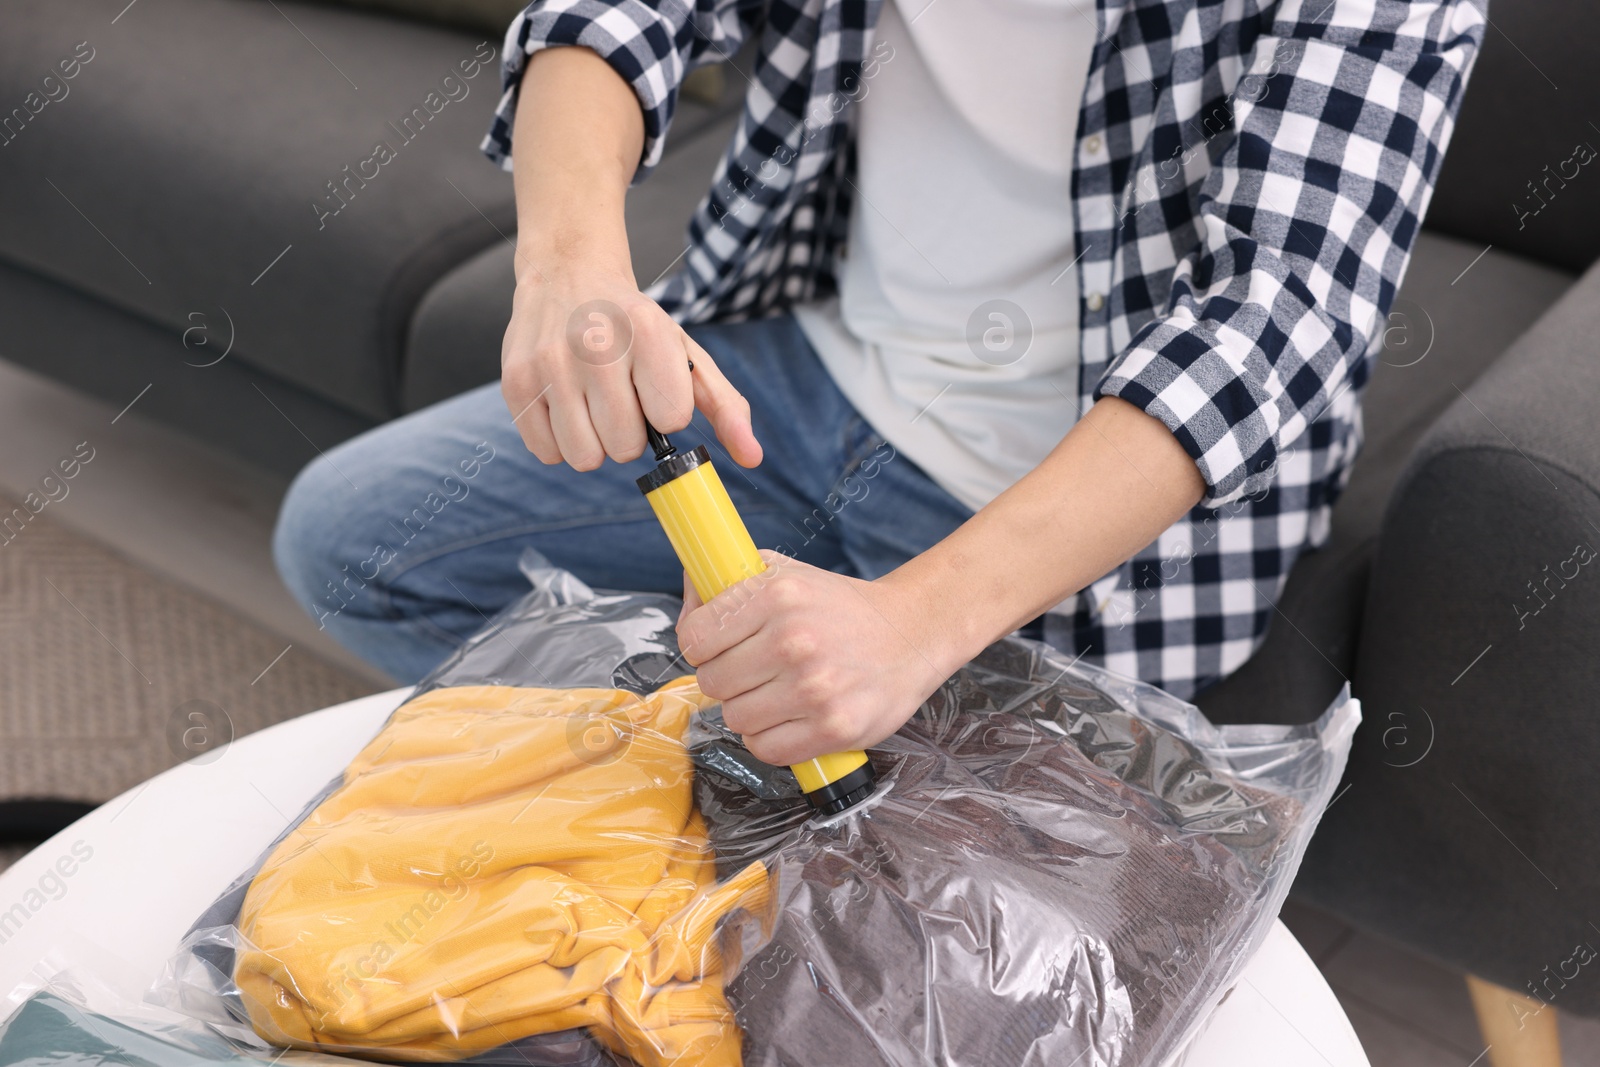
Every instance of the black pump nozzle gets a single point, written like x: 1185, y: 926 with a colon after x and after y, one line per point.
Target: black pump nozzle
x: 663, y: 448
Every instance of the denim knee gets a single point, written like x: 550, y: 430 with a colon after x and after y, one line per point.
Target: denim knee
x: 308, y: 542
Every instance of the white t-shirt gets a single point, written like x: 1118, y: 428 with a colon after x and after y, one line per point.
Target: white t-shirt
x: 955, y: 332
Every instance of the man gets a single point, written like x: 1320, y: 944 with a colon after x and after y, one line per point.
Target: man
x: 1008, y: 313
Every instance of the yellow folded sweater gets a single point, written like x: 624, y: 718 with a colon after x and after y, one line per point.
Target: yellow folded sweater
x: 501, y: 862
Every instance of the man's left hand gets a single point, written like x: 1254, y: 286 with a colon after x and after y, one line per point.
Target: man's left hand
x: 807, y: 662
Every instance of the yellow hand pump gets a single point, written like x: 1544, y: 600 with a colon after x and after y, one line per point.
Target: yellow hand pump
x: 717, y: 553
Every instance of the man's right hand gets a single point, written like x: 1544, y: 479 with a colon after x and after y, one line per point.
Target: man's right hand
x: 587, y: 357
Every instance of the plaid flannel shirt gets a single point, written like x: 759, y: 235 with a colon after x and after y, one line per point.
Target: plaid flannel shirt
x: 1249, y: 180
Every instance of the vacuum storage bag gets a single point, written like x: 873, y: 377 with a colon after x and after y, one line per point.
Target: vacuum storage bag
x: 554, y: 853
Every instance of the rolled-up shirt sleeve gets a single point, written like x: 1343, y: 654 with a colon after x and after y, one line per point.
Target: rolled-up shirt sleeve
x: 1306, y: 222
x: 651, y: 44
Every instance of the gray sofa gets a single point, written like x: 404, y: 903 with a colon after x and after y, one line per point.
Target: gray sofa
x: 1469, y: 797
x: 163, y: 207
x: 146, y: 210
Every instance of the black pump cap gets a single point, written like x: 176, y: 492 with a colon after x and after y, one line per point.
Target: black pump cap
x: 846, y: 793
x: 675, y: 465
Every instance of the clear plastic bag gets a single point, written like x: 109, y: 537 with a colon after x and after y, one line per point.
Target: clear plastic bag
x: 556, y: 854
x: 79, y: 1007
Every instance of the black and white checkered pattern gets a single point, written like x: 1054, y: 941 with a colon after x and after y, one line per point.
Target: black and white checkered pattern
x: 1249, y: 182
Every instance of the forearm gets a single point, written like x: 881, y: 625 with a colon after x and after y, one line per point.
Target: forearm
x: 1112, y: 485
x: 579, y: 132
x: 578, y: 396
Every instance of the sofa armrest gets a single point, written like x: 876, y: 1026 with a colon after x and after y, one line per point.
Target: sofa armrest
x: 1473, y: 782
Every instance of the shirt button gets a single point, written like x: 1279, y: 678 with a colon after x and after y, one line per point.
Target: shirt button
x: 1095, y: 301
x: 1091, y: 144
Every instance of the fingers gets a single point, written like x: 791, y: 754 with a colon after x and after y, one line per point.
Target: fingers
x: 779, y: 725
x: 711, y: 629
x: 574, y: 431
x: 664, y: 383
x: 524, y: 388
x: 547, y: 404
x: 614, y: 412
x: 649, y: 380
x: 784, y: 743
x: 601, y: 340
x: 566, y: 373
x: 740, y: 670
x: 691, y: 600
x: 531, y: 417
x: 581, y: 385
x: 767, y: 723
x: 724, y: 406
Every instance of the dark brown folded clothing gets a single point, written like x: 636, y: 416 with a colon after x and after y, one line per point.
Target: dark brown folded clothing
x: 1050, y: 880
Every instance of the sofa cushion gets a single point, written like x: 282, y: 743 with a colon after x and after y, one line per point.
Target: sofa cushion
x: 57, y: 331
x: 454, y: 340
x: 479, y: 16
x: 1515, y: 175
x: 187, y: 167
x: 1470, y: 832
x: 1446, y: 328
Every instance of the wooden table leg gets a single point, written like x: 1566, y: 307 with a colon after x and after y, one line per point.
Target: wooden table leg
x: 1519, y: 1030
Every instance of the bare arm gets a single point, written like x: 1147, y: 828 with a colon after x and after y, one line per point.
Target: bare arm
x: 578, y: 134
x: 588, y: 357
x: 1108, y: 489
x: 815, y: 662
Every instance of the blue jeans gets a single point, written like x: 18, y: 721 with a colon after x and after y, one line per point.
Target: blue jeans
x: 405, y: 540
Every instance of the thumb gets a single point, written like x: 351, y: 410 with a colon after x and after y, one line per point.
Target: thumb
x: 725, y: 407
x: 691, y: 600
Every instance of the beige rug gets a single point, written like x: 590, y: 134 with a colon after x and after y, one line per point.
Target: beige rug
x: 110, y: 674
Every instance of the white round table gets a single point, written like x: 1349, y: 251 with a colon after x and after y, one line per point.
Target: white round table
x: 110, y: 896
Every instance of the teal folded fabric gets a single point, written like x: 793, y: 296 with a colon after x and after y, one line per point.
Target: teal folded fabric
x: 50, y: 1032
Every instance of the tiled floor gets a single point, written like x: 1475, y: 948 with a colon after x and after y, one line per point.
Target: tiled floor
x: 160, y: 498
x: 1407, y: 1010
